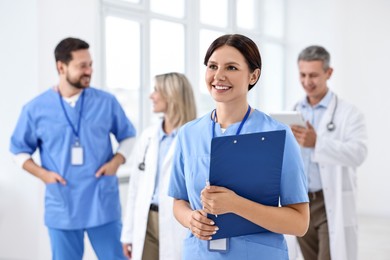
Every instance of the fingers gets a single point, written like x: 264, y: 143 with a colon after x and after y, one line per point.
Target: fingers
x: 204, y: 214
x: 210, y: 207
x: 203, y: 234
x: 213, y: 189
x: 52, y: 177
x: 297, y: 129
x: 214, y: 199
x: 60, y: 179
x: 127, y: 250
x: 309, y: 126
x: 202, y: 227
x: 206, y: 202
x: 106, y: 169
x: 100, y: 172
x: 299, y: 133
x: 206, y: 199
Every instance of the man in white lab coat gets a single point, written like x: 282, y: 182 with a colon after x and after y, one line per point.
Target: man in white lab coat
x: 333, y: 144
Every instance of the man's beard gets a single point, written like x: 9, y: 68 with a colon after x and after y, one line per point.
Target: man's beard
x: 77, y: 83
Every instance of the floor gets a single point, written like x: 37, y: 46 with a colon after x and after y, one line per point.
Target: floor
x: 373, y: 238
x: 374, y: 242
x: 374, y: 235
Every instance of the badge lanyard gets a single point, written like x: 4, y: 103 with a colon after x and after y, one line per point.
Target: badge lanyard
x: 77, y: 151
x: 240, y: 126
x: 222, y: 245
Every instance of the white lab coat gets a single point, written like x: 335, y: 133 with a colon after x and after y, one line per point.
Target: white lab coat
x: 338, y: 154
x: 141, y: 188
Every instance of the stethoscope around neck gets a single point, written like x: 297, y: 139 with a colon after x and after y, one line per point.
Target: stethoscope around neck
x: 331, y: 125
x: 141, y: 165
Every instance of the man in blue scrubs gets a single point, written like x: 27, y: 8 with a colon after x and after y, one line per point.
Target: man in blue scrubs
x: 70, y: 124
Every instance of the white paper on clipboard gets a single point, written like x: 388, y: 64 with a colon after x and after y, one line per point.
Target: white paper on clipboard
x: 289, y: 118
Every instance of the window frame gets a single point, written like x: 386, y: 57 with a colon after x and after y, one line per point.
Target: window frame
x: 141, y: 12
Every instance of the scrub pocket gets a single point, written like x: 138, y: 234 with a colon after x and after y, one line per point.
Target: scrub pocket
x: 109, y: 183
x: 109, y: 192
x: 265, y: 246
x: 192, y: 248
x: 200, y: 172
x: 259, y: 251
x: 56, y: 205
x: 56, y: 199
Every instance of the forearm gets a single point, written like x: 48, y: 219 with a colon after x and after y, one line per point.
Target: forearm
x: 182, y: 212
x: 33, y: 168
x: 119, y: 159
x: 111, y: 167
x: 292, y: 219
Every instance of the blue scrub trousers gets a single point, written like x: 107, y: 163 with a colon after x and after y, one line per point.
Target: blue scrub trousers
x: 105, y: 240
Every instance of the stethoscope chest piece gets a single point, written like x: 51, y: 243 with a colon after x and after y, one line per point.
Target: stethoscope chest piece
x: 330, y: 126
x: 141, y: 166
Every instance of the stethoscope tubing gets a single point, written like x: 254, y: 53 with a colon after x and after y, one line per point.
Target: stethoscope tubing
x: 141, y: 165
x: 331, y: 125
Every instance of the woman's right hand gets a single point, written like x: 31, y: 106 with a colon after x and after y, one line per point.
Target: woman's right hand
x: 201, y: 226
x: 126, y: 250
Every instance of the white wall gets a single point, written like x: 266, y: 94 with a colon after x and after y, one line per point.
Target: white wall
x: 366, y: 83
x: 357, y: 34
x: 29, y: 31
x: 20, y: 195
x: 58, y: 19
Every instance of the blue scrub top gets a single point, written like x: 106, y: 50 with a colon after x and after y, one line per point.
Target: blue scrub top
x: 191, y: 170
x: 84, y: 201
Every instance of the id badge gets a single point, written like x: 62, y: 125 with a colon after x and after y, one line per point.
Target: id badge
x: 77, y: 155
x: 219, y: 245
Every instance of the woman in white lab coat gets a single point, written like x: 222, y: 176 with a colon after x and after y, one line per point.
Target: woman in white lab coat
x: 150, y: 230
x: 338, y: 153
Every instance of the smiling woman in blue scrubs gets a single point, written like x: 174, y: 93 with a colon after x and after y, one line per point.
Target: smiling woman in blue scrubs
x: 233, y: 68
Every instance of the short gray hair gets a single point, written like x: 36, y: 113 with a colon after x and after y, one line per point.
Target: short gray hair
x: 315, y: 52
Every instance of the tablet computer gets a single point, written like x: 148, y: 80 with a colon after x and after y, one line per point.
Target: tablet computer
x: 289, y: 118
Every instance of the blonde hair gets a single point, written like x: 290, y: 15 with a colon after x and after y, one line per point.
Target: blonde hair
x: 177, y: 91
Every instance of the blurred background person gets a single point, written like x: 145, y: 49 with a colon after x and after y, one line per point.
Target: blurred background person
x: 333, y: 145
x: 150, y: 231
x: 71, y: 124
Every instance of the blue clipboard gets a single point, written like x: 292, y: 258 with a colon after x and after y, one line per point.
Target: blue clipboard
x: 251, y: 166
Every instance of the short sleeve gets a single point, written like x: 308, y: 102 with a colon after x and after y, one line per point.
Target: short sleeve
x: 177, y: 186
x: 293, y: 181
x: 24, y: 138
x: 121, y: 127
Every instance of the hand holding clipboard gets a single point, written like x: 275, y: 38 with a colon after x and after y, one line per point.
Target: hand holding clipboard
x: 249, y: 165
